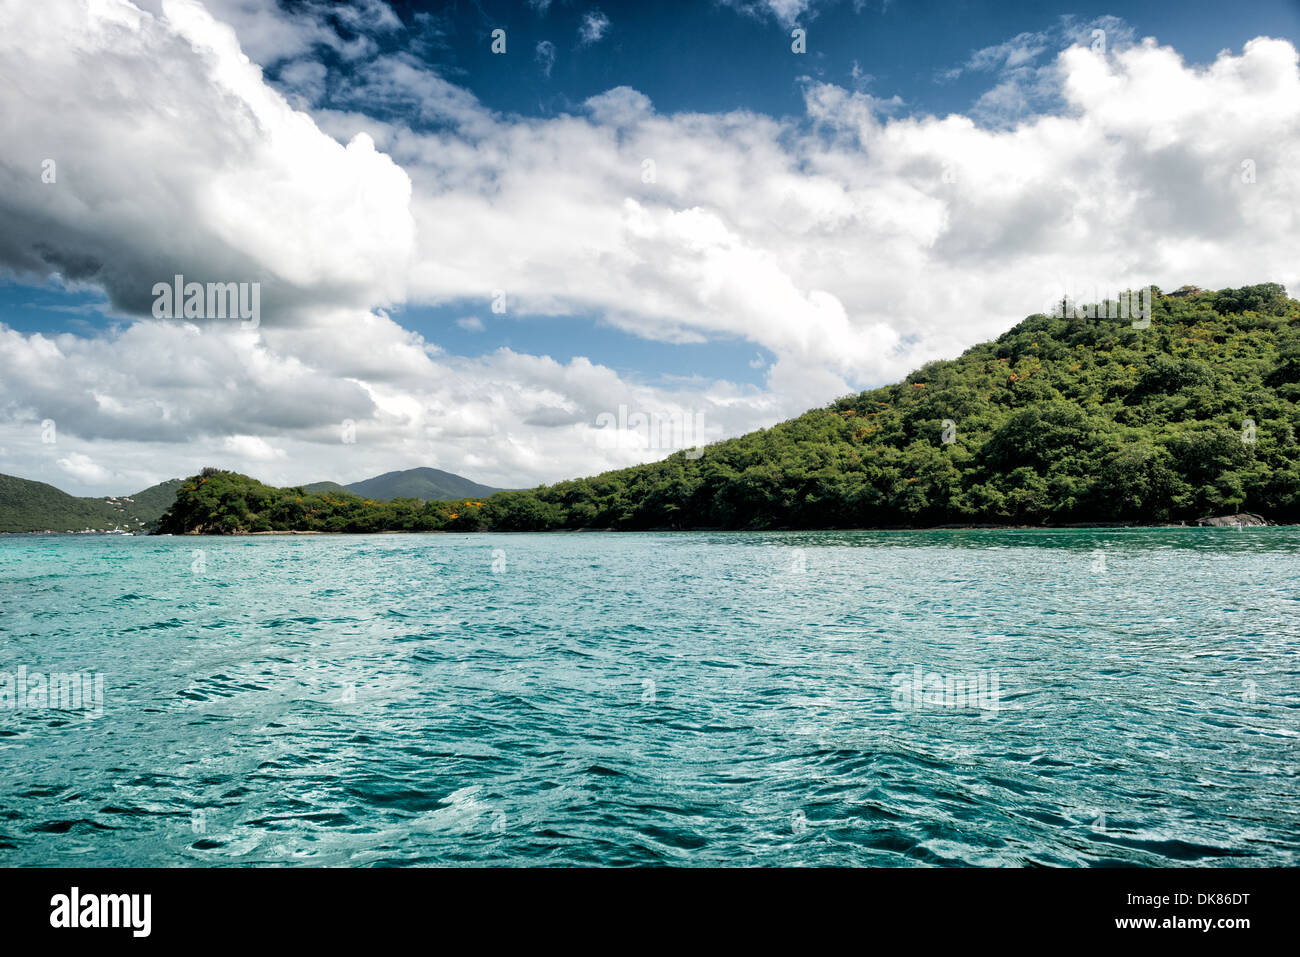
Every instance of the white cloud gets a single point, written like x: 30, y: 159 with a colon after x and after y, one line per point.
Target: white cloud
x: 83, y: 469
x: 471, y: 324
x: 593, y: 28
x: 251, y: 448
x: 844, y: 249
x: 168, y: 398
x: 184, y: 161
x: 1019, y: 50
x: 788, y: 13
x: 269, y: 33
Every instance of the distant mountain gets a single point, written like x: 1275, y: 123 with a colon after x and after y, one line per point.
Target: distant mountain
x: 28, y: 506
x: 424, y: 483
x: 315, y: 487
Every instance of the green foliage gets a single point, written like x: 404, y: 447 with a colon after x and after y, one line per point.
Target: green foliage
x: 218, y: 502
x: 27, y: 506
x: 1057, y: 421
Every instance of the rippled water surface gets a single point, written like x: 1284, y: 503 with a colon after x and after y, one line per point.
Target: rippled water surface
x: 690, y: 698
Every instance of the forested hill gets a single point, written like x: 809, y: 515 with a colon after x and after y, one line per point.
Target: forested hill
x: 29, y: 506
x: 1061, y: 420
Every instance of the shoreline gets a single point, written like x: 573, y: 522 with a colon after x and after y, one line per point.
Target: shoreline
x: 1240, y: 520
x: 691, y: 531
x: 1212, y: 522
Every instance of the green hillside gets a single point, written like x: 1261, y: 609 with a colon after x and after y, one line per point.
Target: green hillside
x: 1059, y: 421
x: 27, y: 506
x: 148, y: 506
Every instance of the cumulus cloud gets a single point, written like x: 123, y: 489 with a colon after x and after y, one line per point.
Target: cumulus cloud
x: 169, y: 398
x: 855, y: 245
x: 184, y: 162
x: 270, y: 32
x: 252, y: 448
x: 82, y: 468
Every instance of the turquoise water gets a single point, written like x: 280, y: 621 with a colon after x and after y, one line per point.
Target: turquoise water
x: 691, y: 698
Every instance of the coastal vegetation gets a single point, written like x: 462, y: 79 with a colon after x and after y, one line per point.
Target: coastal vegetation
x: 1061, y: 420
x: 30, y: 506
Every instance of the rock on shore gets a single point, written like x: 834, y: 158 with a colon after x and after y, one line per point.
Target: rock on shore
x: 1245, y: 518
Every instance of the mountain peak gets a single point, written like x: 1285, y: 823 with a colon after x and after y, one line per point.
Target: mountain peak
x: 422, y: 482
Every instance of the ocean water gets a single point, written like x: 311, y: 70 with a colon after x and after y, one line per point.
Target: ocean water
x: 1085, y: 697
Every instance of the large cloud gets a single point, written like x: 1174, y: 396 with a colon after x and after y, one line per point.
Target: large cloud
x: 850, y: 243
x: 157, y: 399
x: 173, y: 156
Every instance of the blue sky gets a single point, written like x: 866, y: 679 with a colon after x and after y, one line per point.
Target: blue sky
x: 710, y: 57
x: 919, y: 179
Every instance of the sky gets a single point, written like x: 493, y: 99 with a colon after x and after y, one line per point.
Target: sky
x: 482, y: 232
